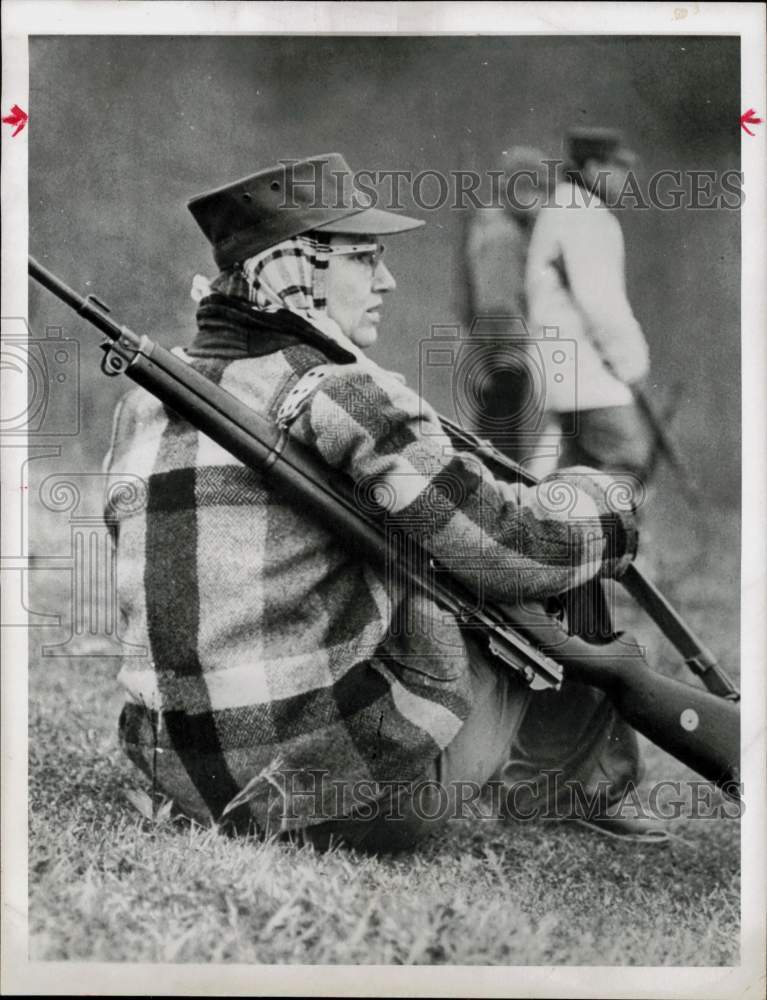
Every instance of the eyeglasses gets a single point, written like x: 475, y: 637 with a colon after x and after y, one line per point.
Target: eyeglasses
x: 367, y: 253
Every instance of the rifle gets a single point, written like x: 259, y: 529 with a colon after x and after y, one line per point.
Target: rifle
x: 665, y: 418
x: 664, y: 445
x: 695, y: 726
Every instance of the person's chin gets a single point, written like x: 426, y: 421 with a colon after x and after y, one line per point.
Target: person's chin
x: 365, y: 335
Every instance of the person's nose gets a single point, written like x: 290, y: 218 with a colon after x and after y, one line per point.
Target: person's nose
x: 383, y: 279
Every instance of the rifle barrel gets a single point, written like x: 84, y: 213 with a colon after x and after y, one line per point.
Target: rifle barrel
x: 89, y: 307
x: 698, y: 657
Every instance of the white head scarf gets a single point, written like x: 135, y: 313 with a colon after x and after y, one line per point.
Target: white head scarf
x: 290, y: 275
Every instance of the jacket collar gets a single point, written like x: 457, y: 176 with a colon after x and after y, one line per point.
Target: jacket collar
x: 229, y: 327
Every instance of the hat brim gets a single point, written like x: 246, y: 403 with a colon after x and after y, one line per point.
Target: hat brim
x: 374, y: 221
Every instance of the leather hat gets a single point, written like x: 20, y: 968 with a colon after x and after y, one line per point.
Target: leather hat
x: 601, y: 144
x: 252, y: 214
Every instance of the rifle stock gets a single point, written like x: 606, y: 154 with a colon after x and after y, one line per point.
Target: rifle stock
x: 698, y: 728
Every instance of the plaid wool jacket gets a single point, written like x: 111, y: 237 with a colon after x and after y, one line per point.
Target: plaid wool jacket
x: 273, y: 656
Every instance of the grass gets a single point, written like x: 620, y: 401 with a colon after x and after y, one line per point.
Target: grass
x: 108, y: 885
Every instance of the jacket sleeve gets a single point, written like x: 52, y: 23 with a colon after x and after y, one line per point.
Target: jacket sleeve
x: 503, y: 540
x: 593, y: 252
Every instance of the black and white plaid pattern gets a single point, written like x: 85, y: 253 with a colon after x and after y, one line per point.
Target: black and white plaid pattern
x: 272, y: 651
x: 289, y: 275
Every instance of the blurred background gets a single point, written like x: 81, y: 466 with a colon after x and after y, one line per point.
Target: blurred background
x: 125, y: 129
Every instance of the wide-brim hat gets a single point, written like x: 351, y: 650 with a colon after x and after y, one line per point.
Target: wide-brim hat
x: 250, y: 215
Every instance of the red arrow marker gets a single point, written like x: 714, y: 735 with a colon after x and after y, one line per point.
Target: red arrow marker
x: 747, y: 118
x: 18, y: 118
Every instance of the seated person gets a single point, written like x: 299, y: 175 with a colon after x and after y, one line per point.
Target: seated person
x: 292, y: 686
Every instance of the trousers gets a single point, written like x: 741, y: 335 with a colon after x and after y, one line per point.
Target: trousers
x: 511, y: 733
x: 613, y: 438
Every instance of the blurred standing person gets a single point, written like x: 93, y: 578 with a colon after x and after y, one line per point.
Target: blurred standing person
x: 496, y: 248
x: 576, y: 284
